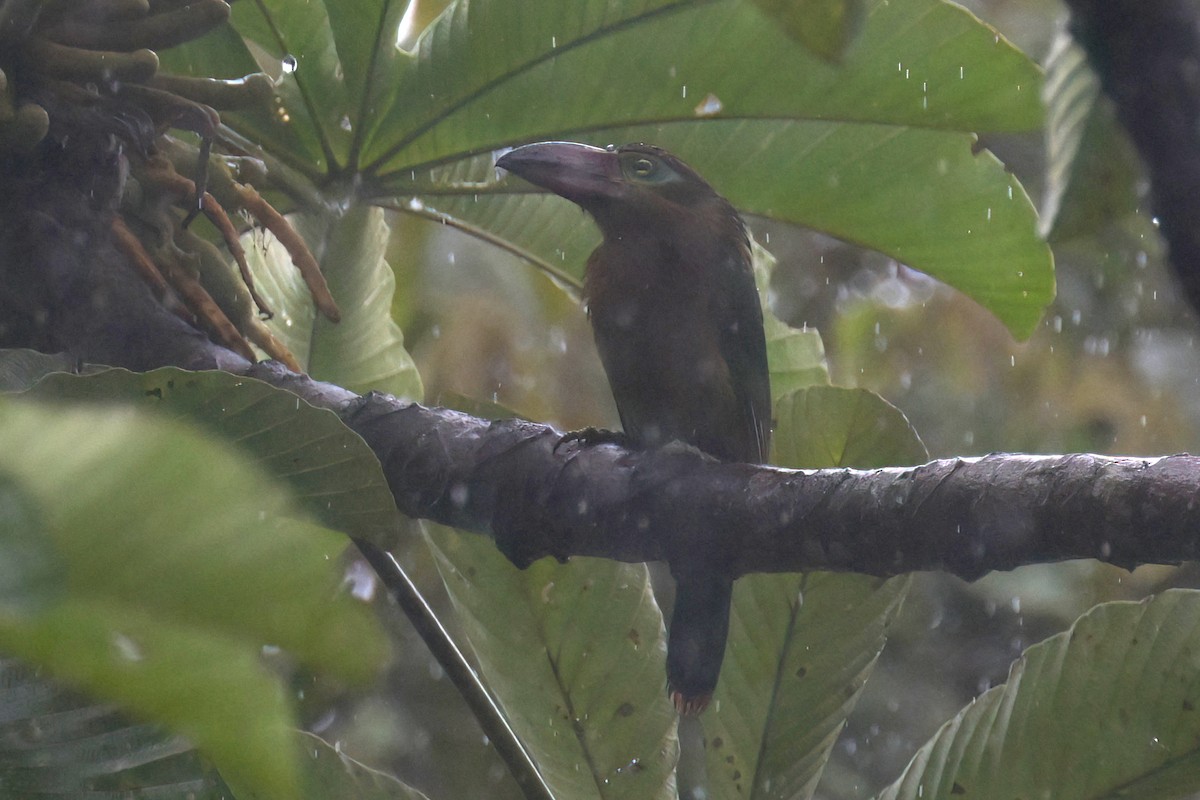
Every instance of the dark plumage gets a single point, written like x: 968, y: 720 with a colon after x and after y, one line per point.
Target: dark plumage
x: 670, y: 293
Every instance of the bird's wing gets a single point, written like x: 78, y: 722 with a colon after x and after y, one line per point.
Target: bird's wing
x: 744, y: 348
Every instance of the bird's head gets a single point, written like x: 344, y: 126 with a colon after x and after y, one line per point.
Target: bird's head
x: 636, y: 186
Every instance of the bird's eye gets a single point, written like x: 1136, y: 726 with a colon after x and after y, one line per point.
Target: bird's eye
x: 646, y: 168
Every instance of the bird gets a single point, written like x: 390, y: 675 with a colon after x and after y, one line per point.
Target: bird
x: 676, y: 318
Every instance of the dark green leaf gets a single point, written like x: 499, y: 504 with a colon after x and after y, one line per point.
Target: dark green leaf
x: 1106, y: 709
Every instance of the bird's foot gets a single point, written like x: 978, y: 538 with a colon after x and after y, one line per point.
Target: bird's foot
x: 590, y: 436
x: 690, y: 706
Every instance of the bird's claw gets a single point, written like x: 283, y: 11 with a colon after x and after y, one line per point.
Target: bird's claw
x: 590, y: 436
x: 691, y: 706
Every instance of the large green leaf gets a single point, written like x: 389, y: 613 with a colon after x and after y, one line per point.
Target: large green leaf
x: 832, y: 426
x: 469, y: 86
x: 331, y: 470
x: 874, y: 151
x: 166, y: 544
x: 924, y: 197
x: 801, y: 647
x: 800, y: 651
x: 575, y: 654
x: 363, y: 352
x: 1106, y: 709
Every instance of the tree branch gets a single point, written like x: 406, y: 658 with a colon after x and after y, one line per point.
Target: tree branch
x: 507, y: 479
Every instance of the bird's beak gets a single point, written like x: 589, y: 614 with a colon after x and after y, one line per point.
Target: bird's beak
x: 578, y: 172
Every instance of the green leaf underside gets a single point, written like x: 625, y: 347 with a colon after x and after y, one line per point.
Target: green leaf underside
x: 365, y: 350
x: 1106, y: 709
x: 574, y: 653
x: 801, y: 647
x: 923, y: 197
x: 352, y: 94
x: 793, y: 672
x: 871, y: 151
x: 330, y: 469
x: 923, y: 63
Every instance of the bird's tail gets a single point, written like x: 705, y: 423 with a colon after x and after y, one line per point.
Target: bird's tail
x: 696, y: 641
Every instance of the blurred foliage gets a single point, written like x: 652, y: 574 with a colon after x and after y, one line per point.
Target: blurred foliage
x: 1111, y: 367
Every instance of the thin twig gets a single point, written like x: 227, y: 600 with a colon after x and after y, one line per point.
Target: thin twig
x: 491, y: 719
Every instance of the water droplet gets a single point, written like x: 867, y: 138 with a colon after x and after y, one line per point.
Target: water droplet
x: 710, y: 106
x: 288, y: 64
x: 127, y: 648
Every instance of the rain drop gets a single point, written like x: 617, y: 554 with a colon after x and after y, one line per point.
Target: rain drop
x: 710, y: 106
x: 127, y: 648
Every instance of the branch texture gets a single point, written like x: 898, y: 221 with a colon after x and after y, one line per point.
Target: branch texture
x: 509, y: 479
